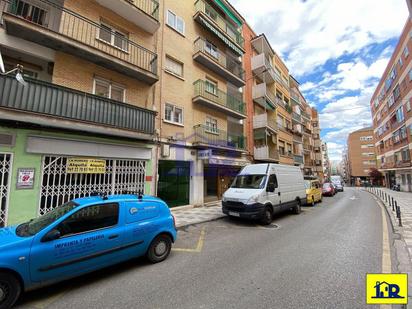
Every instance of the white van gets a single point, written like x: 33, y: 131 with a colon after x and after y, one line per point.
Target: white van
x: 261, y: 190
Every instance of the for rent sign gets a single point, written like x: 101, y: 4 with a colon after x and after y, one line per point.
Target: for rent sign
x: 85, y: 166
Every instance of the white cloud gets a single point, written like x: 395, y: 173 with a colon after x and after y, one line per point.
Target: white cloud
x: 335, y: 151
x: 313, y: 32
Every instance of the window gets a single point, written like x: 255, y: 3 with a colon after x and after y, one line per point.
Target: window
x: 173, y: 66
x: 89, y: 219
x: 173, y: 113
x: 399, y: 114
x: 367, y: 146
x: 211, y: 86
x: 211, y: 49
x: 113, y: 36
x: 280, y: 121
x: 410, y: 75
x: 282, y: 150
x: 211, y: 125
x: 406, y: 156
x: 175, y: 22
x: 408, y: 106
x: 396, y: 92
x: 273, y: 180
x: 104, y: 88
x: 29, y: 12
x: 391, y: 100
x: 289, y: 146
x: 400, y: 62
x: 366, y: 138
x: 406, y: 52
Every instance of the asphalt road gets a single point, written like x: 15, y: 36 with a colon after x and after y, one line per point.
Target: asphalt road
x: 317, y: 259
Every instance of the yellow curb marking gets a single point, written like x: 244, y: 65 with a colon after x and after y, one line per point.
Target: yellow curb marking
x: 199, y: 245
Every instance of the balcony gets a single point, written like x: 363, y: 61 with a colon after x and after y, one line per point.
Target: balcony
x: 143, y: 13
x: 230, y: 69
x: 266, y: 153
x: 215, y: 138
x: 39, y: 99
x: 223, y: 29
x: 297, y: 139
x: 317, y: 143
x: 306, y: 116
x: 217, y: 99
x: 296, y: 117
x: 262, y: 68
x: 298, y: 159
x: 69, y: 32
x: 264, y: 97
x: 265, y: 121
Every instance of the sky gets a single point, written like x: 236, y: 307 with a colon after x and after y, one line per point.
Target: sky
x: 337, y: 50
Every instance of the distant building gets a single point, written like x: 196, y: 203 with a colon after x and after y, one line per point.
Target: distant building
x: 325, y: 161
x: 361, y: 155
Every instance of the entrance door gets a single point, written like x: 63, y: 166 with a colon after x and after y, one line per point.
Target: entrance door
x: 174, y: 182
x: 409, y: 177
x: 226, y: 177
x: 5, y: 175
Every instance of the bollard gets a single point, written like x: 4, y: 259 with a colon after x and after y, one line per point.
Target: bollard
x: 386, y: 198
x: 390, y: 201
x: 398, y: 214
x: 394, y: 206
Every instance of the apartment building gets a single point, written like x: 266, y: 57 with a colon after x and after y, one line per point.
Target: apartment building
x: 202, y: 109
x: 392, y: 115
x: 317, y: 146
x: 325, y: 161
x: 361, y: 155
x: 84, y: 121
x: 298, y: 107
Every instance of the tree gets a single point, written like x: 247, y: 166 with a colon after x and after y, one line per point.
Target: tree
x: 375, y: 176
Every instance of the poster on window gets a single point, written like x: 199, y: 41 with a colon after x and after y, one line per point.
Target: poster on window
x: 25, y: 178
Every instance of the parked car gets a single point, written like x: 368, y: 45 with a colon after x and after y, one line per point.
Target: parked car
x: 313, y: 191
x: 81, y: 236
x: 261, y: 190
x: 338, y: 186
x: 328, y: 189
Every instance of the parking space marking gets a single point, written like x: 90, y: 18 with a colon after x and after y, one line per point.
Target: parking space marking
x: 199, y: 245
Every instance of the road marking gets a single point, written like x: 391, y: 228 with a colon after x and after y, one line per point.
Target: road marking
x: 353, y: 198
x: 199, y: 245
x: 386, y: 251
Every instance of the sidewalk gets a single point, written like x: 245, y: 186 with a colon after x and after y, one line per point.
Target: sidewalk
x: 402, y: 240
x: 189, y: 216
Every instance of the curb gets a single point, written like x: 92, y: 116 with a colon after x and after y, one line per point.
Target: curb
x: 199, y: 222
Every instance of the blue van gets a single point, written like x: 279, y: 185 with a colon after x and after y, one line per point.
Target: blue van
x: 81, y: 236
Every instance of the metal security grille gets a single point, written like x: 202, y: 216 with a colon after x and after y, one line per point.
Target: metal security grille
x: 5, y: 173
x: 58, y: 187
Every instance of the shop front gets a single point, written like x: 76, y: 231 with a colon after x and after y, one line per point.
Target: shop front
x: 40, y: 170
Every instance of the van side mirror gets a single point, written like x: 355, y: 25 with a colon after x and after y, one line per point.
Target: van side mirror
x: 270, y: 187
x: 52, y: 235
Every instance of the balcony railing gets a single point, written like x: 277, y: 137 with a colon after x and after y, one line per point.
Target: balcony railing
x: 150, y: 7
x: 69, y: 24
x: 52, y: 100
x: 223, y: 24
x: 296, y: 117
x: 231, y: 65
x: 266, y: 153
x: 263, y: 121
x: 201, y: 89
x: 216, y: 138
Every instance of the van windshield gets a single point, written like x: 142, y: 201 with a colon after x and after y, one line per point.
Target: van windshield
x: 249, y: 182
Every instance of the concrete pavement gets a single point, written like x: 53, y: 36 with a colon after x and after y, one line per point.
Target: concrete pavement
x: 195, y: 215
x: 317, y: 259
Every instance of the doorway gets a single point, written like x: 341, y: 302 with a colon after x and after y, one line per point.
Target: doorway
x: 174, y: 182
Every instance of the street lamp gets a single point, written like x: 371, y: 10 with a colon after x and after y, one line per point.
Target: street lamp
x: 18, y: 70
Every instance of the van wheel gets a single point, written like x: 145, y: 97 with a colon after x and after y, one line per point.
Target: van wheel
x: 159, y: 249
x: 297, y: 208
x: 267, y: 216
x: 10, y: 290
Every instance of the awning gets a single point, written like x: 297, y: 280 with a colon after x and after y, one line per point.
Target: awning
x: 221, y: 36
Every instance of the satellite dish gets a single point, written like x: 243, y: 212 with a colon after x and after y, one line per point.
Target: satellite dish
x: 2, y: 64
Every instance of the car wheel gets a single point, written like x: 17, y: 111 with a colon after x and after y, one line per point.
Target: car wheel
x: 313, y: 201
x: 297, y: 208
x: 267, y: 216
x: 159, y: 249
x: 10, y: 290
